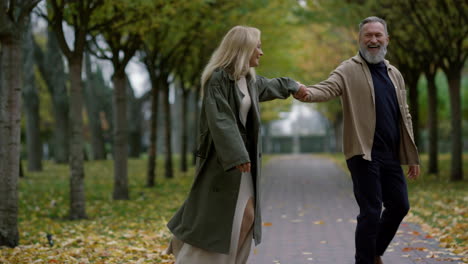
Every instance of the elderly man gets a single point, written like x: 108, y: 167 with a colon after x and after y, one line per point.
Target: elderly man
x: 377, y: 137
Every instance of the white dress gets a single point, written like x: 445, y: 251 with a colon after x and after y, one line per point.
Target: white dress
x: 188, y: 254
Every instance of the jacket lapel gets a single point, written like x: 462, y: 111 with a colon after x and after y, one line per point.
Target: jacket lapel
x: 367, y: 74
x: 392, y: 78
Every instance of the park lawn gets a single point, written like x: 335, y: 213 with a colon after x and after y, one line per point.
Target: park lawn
x: 116, y: 232
x: 439, y: 205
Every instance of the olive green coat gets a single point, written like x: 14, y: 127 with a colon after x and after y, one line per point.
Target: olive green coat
x: 205, y: 219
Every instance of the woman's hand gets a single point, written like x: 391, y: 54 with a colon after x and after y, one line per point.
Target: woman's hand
x: 244, y: 167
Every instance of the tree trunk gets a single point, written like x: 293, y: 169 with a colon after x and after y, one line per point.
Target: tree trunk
x: 183, y: 152
x: 92, y: 103
x: 152, y: 150
x: 454, y: 79
x: 77, y: 186
x: 31, y: 99
x: 433, y: 120
x: 167, y: 128
x: 10, y: 133
x: 1, y: 75
x: 21, y: 173
x: 33, y: 137
x: 134, y: 115
x: 61, y: 108
x: 120, y: 137
x: 135, y: 143
x: 414, y: 106
x: 62, y: 140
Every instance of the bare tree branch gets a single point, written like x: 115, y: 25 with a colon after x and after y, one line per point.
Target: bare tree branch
x: 26, y: 9
x: 58, y: 27
x: 100, y: 53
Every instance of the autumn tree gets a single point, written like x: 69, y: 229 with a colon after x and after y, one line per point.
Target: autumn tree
x: 80, y: 16
x: 121, y: 41
x: 149, y: 59
x: 162, y: 40
x: 14, y: 18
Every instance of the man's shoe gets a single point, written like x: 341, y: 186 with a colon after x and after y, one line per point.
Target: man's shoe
x: 378, y: 260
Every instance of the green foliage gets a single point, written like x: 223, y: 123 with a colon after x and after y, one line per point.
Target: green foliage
x: 443, y: 104
x: 335, y: 12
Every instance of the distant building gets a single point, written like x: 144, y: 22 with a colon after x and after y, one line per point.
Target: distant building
x: 302, y: 130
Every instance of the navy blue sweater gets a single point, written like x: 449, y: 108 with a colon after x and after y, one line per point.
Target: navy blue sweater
x: 387, y: 127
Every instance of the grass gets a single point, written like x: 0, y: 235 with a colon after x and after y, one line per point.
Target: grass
x: 130, y: 231
x: 438, y: 204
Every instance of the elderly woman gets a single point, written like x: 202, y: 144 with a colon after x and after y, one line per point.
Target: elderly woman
x: 221, y: 216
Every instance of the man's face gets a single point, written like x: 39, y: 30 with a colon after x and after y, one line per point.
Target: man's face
x: 373, y: 42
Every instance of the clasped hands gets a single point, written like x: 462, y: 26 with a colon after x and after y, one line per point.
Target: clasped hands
x: 301, y: 94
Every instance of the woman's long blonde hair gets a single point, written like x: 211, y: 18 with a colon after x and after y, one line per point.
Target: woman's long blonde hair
x: 233, y: 54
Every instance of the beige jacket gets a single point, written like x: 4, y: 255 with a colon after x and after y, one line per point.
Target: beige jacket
x: 352, y: 81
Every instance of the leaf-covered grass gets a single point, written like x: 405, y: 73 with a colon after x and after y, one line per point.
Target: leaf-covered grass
x: 130, y: 231
x: 439, y: 205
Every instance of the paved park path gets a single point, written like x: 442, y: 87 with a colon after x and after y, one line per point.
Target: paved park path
x: 309, y: 216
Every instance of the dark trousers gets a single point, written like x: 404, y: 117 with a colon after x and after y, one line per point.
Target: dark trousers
x: 377, y: 182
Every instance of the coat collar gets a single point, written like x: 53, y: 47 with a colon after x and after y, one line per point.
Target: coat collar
x: 231, y: 77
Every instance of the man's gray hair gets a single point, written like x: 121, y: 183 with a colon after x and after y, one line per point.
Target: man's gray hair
x: 373, y: 19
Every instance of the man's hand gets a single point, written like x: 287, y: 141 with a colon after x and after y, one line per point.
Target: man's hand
x: 244, y: 167
x: 301, y: 94
x: 413, y: 172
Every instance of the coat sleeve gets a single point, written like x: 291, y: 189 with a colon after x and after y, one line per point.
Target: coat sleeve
x: 326, y: 90
x: 222, y: 123
x: 276, y: 88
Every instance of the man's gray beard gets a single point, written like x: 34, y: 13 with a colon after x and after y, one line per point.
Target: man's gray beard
x: 373, y: 59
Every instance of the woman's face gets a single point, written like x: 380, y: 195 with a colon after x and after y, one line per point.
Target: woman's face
x: 254, y: 60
